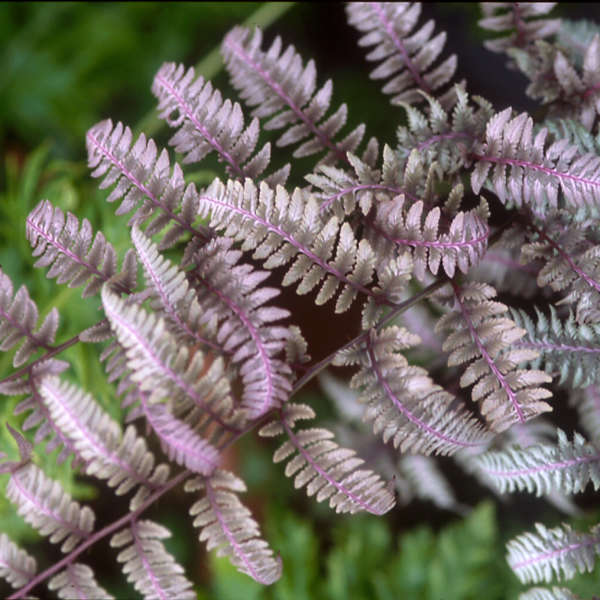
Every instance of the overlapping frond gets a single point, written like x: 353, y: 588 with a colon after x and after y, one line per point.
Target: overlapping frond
x: 167, y: 369
x: 432, y: 241
x: 66, y: 246
x: 402, y: 401
x: 481, y: 335
x: 208, y: 123
x: 43, y: 502
x: 587, y: 403
x: 523, y: 172
x: 441, y: 137
x: 151, y: 570
x: 566, y: 466
x: 330, y: 472
x: 123, y: 459
x: 407, y: 53
x: 248, y: 329
x: 565, y: 348
x: 144, y: 181
x: 572, y: 263
x: 520, y: 21
x: 281, y: 228
x: 280, y: 87
x: 18, y: 320
x: 171, y: 295
x: 78, y: 581
x: 227, y: 526
x: 16, y: 566
x: 558, y: 552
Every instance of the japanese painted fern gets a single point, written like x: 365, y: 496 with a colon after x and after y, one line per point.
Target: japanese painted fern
x: 203, y: 349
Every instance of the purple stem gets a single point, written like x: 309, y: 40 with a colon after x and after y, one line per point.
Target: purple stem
x: 553, y: 553
x: 132, y: 516
x: 146, y: 563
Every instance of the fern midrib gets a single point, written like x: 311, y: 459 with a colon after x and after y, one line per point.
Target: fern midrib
x: 325, y: 140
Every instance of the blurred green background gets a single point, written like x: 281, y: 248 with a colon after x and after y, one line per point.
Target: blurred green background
x: 64, y: 67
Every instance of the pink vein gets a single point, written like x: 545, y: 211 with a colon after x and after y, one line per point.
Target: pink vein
x: 409, y: 415
x: 589, y: 280
x: 75, y: 583
x: 535, y: 167
x: 170, y: 373
x: 44, y: 510
x: 488, y: 359
x: 557, y: 347
x: 197, y: 448
x: 269, y: 400
x: 24, y: 331
x: 323, y: 137
x: 309, y: 459
x: 200, y: 127
x: 548, y: 555
x: 166, y: 301
x: 377, y: 7
x: 101, y: 449
x: 112, y: 158
x: 147, y: 565
x: 229, y: 534
x: 365, y: 186
x: 288, y: 238
x: 545, y: 467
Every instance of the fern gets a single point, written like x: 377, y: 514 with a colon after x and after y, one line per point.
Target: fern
x: 77, y: 580
x: 227, y: 526
x: 408, y: 53
x: 278, y: 85
x: 478, y: 331
x: 327, y: 470
x: 537, y: 557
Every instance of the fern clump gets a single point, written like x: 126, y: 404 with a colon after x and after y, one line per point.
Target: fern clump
x: 474, y: 238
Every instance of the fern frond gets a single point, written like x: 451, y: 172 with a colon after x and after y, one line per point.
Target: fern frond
x: 526, y: 173
x: 587, y: 403
x: 558, y: 552
x: 78, y: 581
x: 403, y: 403
x: 16, y: 566
x: 572, y: 263
x: 520, y: 17
x: 565, y: 348
x: 330, y: 472
x: 443, y: 138
x: 66, y: 246
x: 247, y: 329
x: 407, y: 52
x: 179, y: 441
x: 171, y: 294
x: 122, y: 459
x: 280, y: 228
x: 149, y: 567
x: 18, y: 318
x: 142, y: 177
x: 227, y: 526
x: 480, y: 335
x: 545, y: 594
x: 45, y: 505
x: 165, y: 368
x: 565, y: 466
x: 459, y: 245
x: 280, y: 87
x: 208, y: 123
